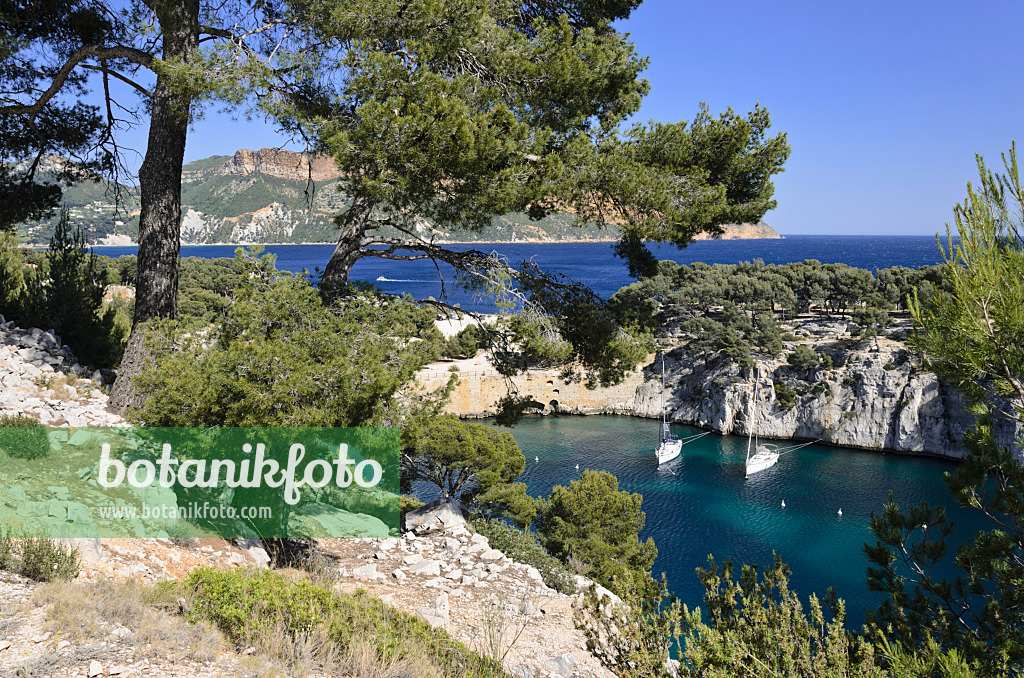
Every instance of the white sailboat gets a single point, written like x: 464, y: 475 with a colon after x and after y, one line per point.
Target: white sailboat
x: 670, y: 446
x: 764, y: 456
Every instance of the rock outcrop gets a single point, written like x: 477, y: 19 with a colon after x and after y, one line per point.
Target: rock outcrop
x: 280, y: 163
x: 877, y: 396
x: 41, y: 379
x: 879, y: 399
x: 744, y: 231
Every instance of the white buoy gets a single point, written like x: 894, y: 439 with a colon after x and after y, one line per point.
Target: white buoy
x: 840, y: 511
x: 783, y: 503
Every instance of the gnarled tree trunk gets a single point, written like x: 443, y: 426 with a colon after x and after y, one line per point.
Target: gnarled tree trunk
x: 349, y: 249
x: 156, y: 292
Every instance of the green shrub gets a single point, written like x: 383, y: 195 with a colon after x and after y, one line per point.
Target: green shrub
x: 47, y: 560
x: 257, y: 607
x: 280, y: 356
x: 23, y: 437
x: 68, y: 298
x: 785, y: 397
x: 466, y: 343
x: 7, y: 545
x: 753, y: 624
x: 522, y: 546
x: 38, y: 559
x: 594, y: 522
x: 803, y: 358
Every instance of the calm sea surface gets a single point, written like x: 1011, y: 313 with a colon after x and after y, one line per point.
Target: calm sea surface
x: 594, y: 263
x: 700, y: 503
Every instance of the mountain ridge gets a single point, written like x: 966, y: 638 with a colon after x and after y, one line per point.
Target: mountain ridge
x: 276, y: 196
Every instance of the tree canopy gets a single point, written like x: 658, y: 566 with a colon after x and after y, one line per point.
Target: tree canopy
x: 595, y: 523
x: 462, y: 458
x: 446, y: 111
x: 973, y: 335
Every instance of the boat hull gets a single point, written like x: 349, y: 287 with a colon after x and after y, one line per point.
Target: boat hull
x: 668, y: 450
x: 762, y: 460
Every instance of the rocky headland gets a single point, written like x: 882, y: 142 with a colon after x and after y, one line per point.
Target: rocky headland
x: 876, y: 396
x: 275, y: 196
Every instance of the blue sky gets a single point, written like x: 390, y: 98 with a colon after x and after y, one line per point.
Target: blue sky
x: 885, y: 103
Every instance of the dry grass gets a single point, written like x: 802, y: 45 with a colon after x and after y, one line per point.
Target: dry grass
x: 292, y: 627
x: 281, y: 654
x: 91, y: 611
x: 61, y: 386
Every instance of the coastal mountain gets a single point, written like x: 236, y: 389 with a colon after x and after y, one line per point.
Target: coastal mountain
x: 279, y: 196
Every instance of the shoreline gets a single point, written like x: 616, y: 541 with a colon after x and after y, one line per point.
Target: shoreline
x: 441, y: 242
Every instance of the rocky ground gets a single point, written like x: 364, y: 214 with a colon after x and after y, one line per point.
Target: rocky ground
x: 40, y: 378
x: 453, y: 579
x: 449, y: 576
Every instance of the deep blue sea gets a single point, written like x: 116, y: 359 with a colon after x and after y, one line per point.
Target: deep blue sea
x: 701, y: 503
x: 593, y: 263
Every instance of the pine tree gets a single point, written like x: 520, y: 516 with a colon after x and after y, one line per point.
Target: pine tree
x: 68, y: 297
x: 972, y: 335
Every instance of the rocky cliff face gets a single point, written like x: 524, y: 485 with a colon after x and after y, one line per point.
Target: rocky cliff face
x: 879, y: 399
x: 282, y: 164
x: 744, y: 231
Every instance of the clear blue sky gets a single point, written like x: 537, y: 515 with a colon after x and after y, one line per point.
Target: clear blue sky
x: 885, y: 103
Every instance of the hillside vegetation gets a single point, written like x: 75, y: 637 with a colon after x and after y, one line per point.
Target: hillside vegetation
x: 269, y: 196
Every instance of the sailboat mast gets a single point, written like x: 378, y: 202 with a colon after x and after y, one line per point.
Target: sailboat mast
x: 757, y: 381
x: 661, y: 434
x: 753, y: 419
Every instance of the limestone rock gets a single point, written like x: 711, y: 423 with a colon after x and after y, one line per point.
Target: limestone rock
x: 426, y: 567
x: 436, y: 515
x: 562, y: 665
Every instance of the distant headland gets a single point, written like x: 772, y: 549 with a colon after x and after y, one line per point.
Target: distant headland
x: 274, y: 196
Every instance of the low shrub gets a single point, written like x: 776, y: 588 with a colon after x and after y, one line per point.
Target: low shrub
x: 24, y: 437
x: 300, y: 625
x: 785, y: 397
x: 803, y: 358
x: 522, y: 546
x: 38, y: 559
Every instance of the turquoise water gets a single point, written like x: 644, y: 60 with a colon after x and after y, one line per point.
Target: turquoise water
x: 700, y: 503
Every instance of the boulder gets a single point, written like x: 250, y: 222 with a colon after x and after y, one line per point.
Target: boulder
x: 562, y: 665
x: 439, y: 514
x: 430, y: 568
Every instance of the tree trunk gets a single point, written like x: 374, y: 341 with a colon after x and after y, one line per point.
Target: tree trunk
x: 156, y: 290
x: 349, y: 248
